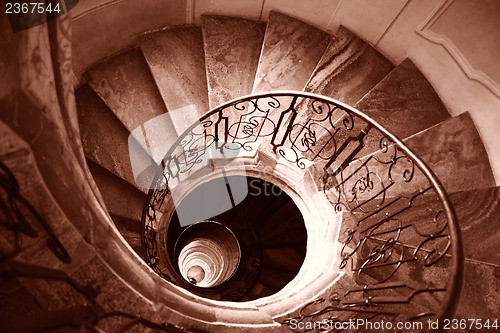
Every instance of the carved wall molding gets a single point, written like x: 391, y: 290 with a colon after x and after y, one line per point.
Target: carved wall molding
x: 473, y: 74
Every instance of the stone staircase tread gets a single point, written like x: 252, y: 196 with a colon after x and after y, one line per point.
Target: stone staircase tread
x: 130, y: 230
x: 275, y: 279
x: 285, y: 228
x: 176, y: 59
x: 232, y: 50
x: 126, y: 85
x: 412, y: 273
x: 454, y: 151
x: 17, y: 303
x: 479, y: 280
x: 477, y: 214
x: 480, y: 294
x: 120, y: 197
x: 285, y: 259
x: 290, y: 52
x: 477, y: 211
x: 258, y: 291
x: 104, y: 137
x: 11, y: 143
x: 348, y: 69
x: 404, y: 102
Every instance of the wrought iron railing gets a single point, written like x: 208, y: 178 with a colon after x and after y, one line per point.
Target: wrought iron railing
x: 400, y: 244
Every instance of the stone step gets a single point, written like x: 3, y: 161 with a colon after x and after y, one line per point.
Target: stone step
x: 271, y: 204
x: 348, y: 69
x: 104, y: 137
x: 455, y: 153
x: 288, y: 259
x: 232, y: 50
x: 396, y: 277
x: 477, y: 212
x: 126, y: 85
x: 452, y: 149
x: 120, y: 197
x: 177, y: 62
x: 290, y: 53
x: 285, y: 228
x: 275, y: 279
x: 16, y: 302
x: 258, y: 291
x: 131, y: 231
x: 11, y: 143
x: 480, y: 295
x: 404, y: 102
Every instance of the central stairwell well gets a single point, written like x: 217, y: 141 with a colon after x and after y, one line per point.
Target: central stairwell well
x: 366, y: 228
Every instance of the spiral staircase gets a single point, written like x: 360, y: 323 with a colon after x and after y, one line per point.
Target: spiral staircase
x: 314, y: 257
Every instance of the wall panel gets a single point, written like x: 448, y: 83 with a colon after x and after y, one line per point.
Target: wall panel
x: 367, y: 18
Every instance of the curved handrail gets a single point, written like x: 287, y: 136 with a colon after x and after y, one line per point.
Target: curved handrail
x: 320, y: 134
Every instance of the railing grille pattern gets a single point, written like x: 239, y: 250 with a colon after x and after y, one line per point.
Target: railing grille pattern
x: 400, y: 246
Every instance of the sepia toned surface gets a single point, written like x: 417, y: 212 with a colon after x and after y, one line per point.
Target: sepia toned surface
x: 338, y: 216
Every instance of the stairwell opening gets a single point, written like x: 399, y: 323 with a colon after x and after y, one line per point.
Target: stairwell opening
x: 235, y: 238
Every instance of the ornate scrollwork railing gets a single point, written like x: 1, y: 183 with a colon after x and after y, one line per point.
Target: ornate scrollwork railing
x: 401, y: 251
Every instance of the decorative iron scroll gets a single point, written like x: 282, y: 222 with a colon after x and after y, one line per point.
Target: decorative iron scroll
x: 400, y: 253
